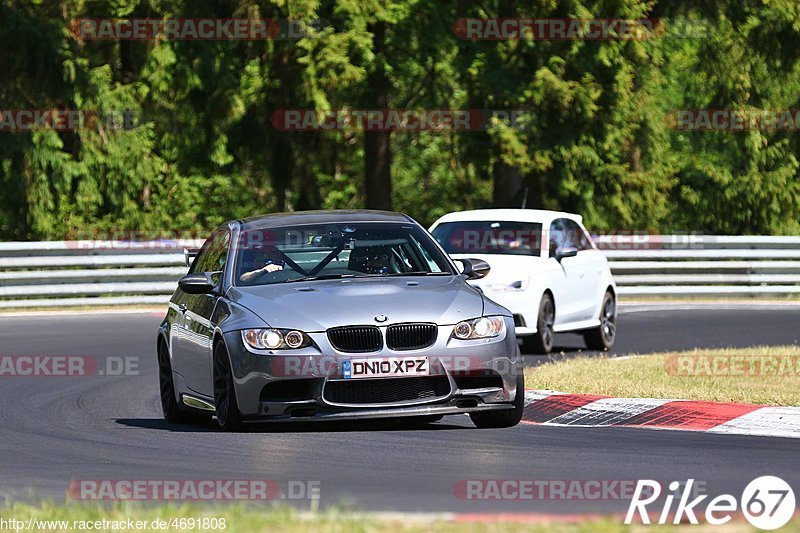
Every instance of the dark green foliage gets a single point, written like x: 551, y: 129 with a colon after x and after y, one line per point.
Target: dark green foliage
x: 594, y: 138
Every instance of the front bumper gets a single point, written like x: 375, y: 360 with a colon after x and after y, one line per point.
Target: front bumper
x: 461, y: 369
x: 307, y: 411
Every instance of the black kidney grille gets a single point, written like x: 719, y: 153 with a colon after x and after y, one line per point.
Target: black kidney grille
x: 356, y: 339
x: 411, y: 336
x: 386, y: 390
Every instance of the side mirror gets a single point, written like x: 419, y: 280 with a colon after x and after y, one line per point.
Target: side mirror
x: 474, y: 268
x: 189, y: 254
x: 566, y: 251
x: 197, y: 284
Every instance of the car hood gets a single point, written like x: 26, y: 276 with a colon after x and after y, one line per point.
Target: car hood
x: 319, y: 305
x: 506, y: 268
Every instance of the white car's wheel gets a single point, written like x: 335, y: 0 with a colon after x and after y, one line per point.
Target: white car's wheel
x: 603, y: 336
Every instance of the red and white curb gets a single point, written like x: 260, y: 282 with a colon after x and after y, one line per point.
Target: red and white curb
x: 588, y: 410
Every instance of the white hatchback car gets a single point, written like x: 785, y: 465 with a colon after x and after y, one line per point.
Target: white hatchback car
x: 544, y: 268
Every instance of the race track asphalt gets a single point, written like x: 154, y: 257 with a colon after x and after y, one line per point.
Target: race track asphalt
x: 57, y: 429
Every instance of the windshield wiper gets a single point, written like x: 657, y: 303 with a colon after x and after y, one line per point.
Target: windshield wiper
x: 419, y: 273
x: 342, y: 276
x: 325, y: 276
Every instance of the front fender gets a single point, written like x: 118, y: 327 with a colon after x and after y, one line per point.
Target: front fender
x: 490, y: 307
x: 606, y: 283
x: 239, y: 317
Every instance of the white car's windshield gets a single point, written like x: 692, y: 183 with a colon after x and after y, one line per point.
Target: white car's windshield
x: 490, y: 237
x: 312, y: 252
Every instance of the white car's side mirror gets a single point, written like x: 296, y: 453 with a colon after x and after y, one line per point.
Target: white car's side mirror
x: 566, y: 251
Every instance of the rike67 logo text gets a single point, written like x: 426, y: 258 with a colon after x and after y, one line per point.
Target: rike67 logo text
x: 767, y: 502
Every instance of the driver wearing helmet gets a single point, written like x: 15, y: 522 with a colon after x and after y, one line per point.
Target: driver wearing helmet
x: 259, y: 259
x: 270, y: 265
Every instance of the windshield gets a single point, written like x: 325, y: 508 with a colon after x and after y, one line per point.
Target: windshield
x: 312, y: 252
x: 488, y: 237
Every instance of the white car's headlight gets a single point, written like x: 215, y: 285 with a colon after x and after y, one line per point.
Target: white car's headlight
x: 479, y: 328
x: 275, y: 339
x: 519, y: 285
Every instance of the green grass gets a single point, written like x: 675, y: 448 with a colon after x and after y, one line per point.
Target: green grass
x: 252, y: 518
x: 675, y: 375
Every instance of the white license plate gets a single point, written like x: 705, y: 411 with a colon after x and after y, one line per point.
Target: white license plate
x: 380, y: 367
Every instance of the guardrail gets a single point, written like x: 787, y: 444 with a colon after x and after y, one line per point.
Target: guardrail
x: 76, y: 273
x: 90, y: 273
x: 698, y: 265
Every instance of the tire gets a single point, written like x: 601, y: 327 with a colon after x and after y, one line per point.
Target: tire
x: 541, y: 342
x: 173, y: 412
x: 506, y: 418
x: 602, y: 337
x: 227, y: 409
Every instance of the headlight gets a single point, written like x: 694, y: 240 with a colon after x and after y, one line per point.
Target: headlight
x: 275, y: 339
x: 479, y: 328
x: 519, y: 285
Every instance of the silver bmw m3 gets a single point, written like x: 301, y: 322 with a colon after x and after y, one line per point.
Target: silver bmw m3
x: 335, y: 315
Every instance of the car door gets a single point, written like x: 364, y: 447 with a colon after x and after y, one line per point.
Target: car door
x: 191, y: 340
x: 563, y: 275
x: 595, y: 267
x: 571, y: 286
x: 586, y: 266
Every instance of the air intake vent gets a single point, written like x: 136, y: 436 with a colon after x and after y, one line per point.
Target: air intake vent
x: 356, y: 339
x: 411, y: 336
x: 485, y: 381
x: 387, y: 390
